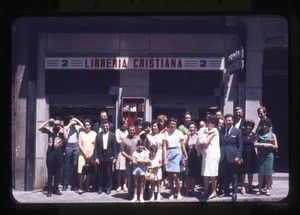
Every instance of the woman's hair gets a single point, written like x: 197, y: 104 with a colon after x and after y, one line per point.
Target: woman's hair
x: 265, y: 120
x: 193, y: 123
x: 263, y: 109
x: 173, y: 119
x: 87, y: 120
x: 140, y: 143
x: 123, y: 121
x: 153, y: 148
x: 249, y: 122
x: 212, y: 119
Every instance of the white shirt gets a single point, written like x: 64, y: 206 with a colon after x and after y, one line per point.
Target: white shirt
x: 173, y: 138
x: 105, y: 139
x: 73, y: 132
x: 237, y: 125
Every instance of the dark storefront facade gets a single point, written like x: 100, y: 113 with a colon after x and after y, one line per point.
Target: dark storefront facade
x: 135, y: 72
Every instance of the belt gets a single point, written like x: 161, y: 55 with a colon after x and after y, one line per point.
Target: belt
x: 172, y: 148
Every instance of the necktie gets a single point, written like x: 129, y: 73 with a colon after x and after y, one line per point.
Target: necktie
x: 227, y: 131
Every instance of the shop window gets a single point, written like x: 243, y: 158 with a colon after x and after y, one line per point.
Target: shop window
x: 133, y: 109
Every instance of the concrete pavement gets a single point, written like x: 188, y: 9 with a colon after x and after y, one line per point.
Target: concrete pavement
x: 280, y: 190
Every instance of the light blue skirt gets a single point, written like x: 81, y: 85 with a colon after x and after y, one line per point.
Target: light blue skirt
x: 174, y: 156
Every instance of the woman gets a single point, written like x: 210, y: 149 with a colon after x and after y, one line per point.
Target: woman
x: 121, y: 133
x: 193, y: 164
x: 86, y: 144
x: 211, y: 157
x: 155, y: 137
x: 249, y: 155
x: 266, y: 144
x: 173, y: 151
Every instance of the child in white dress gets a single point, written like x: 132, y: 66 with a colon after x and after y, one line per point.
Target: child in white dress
x: 155, y: 165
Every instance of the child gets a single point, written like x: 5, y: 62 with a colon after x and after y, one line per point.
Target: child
x: 155, y: 164
x: 140, y: 159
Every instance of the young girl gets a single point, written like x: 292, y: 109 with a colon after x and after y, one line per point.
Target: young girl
x: 140, y: 159
x: 155, y: 164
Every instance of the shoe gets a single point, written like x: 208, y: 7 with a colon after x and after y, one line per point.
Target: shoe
x: 152, y: 198
x: 107, y: 192
x: 65, y: 187
x: 80, y: 192
x: 142, y: 199
x: 100, y: 191
x: 204, y: 195
x: 49, y: 194
x: 125, y: 188
x: 134, y: 199
x: 257, y: 193
x: 179, y: 197
x: 234, y: 197
x: 268, y: 193
x: 212, y: 196
x: 57, y: 192
x: 243, y: 192
x: 118, y: 189
x: 171, y: 197
x: 158, y: 198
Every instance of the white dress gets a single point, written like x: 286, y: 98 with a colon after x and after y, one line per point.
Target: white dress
x: 211, y: 156
x: 120, y: 162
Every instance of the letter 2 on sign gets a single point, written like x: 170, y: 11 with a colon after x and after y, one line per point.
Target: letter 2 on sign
x: 202, y: 63
x: 64, y: 63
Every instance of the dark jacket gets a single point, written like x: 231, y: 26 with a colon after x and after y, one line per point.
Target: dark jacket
x: 231, y: 145
x: 111, y: 148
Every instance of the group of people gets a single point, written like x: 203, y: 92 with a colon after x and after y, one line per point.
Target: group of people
x: 219, y: 154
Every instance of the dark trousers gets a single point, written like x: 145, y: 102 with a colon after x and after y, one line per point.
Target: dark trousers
x: 70, y: 164
x: 228, y: 174
x: 54, y: 162
x: 129, y: 170
x: 105, y: 178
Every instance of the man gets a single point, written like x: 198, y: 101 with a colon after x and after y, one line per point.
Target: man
x: 54, y: 157
x: 231, y: 145
x: 105, y: 157
x: 239, y: 118
x: 97, y: 126
x: 219, y: 114
x: 128, y: 146
x: 71, y: 153
x: 261, y: 113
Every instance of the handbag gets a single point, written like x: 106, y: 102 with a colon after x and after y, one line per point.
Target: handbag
x: 149, y: 175
x: 88, y: 169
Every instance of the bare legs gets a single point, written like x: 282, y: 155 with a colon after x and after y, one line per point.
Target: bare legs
x: 213, y: 180
x: 174, y: 177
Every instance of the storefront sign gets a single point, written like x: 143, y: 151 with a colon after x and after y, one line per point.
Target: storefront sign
x: 235, y: 61
x: 130, y: 63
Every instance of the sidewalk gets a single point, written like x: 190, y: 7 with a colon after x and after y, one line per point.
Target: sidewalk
x: 280, y: 189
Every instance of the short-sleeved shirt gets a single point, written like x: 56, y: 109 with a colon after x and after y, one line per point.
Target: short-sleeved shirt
x: 129, y: 145
x: 73, y: 132
x: 173, y: 138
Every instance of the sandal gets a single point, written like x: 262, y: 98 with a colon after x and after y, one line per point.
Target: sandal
x: 243, y: 191
x: 118, y: 189
x: 212, y: 196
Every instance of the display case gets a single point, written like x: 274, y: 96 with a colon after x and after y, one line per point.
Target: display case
x: 133, y: 109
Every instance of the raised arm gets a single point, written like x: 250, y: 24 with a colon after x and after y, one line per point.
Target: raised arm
x: 42, y: 126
